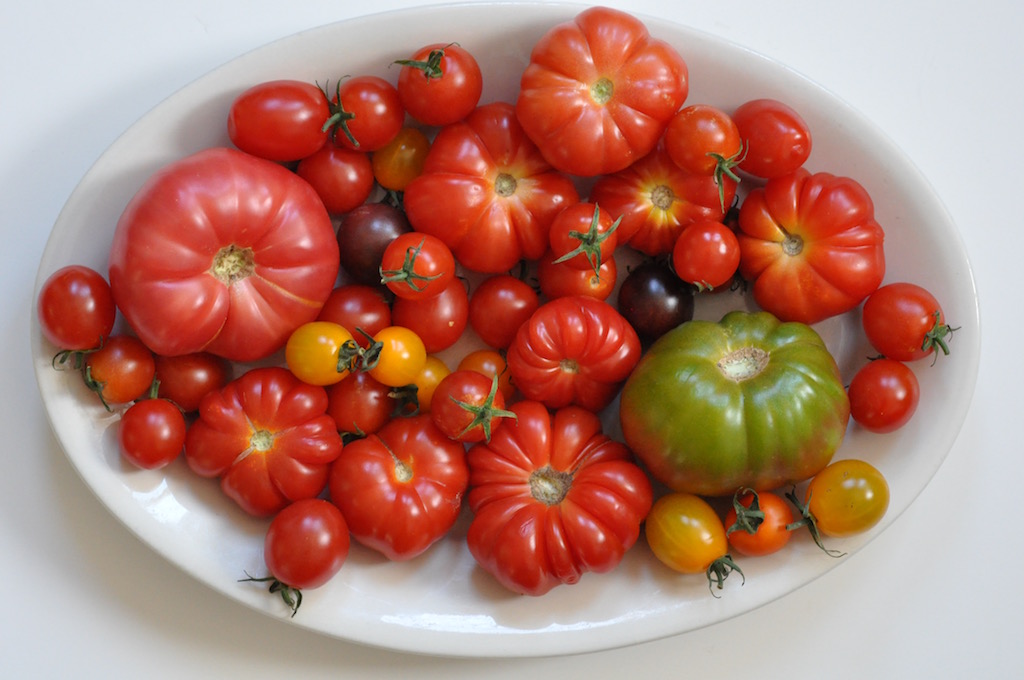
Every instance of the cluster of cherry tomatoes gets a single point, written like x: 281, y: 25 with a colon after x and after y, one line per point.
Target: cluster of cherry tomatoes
x: 365, y: 407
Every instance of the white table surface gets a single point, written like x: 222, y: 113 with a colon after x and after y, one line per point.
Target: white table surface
x: 939, y: 594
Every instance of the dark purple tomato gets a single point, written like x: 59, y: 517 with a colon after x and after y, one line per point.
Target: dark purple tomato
x: 363, y: 234
x: 654, y: 300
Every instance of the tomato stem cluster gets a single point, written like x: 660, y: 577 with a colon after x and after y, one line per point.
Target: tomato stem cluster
x: 407, y: 273
x: 485, y: 413
x: 590, y: 242
x: 807, y: 520
x: 291, y: 596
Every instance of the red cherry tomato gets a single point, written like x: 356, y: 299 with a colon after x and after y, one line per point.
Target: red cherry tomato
x: 706, y: 254
x: 186, y: 378
x: 884, y: 395
x: 342, y: 178
x: 121, y: 371
x: 279, y: 120
x: 76, y: 308
x: 777, y: 139
x: 440, y: 84
x: 151, y: 433
x: 903, y: 321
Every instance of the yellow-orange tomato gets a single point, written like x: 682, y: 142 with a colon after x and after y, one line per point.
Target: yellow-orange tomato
x: 317, y: 352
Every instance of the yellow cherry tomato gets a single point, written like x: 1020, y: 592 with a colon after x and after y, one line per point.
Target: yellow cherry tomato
x: 320, y: 352
x: 432, y: 373
x: 401, y: 356
x: 846, y: 498
x: 687, y: 535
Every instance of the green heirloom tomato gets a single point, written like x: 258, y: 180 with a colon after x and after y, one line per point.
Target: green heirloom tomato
x: 748, y: 401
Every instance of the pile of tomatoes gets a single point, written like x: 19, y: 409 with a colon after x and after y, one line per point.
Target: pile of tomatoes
x: 390, y: 301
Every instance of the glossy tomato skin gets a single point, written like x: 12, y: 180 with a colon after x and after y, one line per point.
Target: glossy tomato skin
x: 320, y: 352
x: 417, y: 266
x: 445, y: 95
x: 306, y: 543
x: 772, y: 532
x: 487, y: 192
x: 656, y: 200
x: 654, y: 300
x: 363, y: 235
x: 884, y: 395
x: 499, y: 305
x: 599, y: 91
x: 370, y: 116
x: 685, y: 533
x: 279, y: 120
x: 776, y: 138
x: 400, y: 489
x: 254, y: 256
x: 401, y: 160
x: 186, y: 378
x: 701, y: 139
x: 559, y: 279
x: 267, y: 436
x: 707, y: 255
x: 468, y: 406
x: 847, y: 498
x: 573, y: 350
x: 75, y: 308
x: 810, y: 245
x: 439, y: 321
x: 360, y: 404
x: 357, y: 307
x: 553, y: 498
x: 745, y: 402
x: 904, y: 322
x: 151, y: 433
x: 342, y: 178
x: 120, y: 371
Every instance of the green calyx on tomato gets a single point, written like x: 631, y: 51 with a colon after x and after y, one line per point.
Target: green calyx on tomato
x: 748, y: 401
x: 591, y: 241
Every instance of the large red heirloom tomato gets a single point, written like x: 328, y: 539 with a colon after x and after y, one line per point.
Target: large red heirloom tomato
x: 553, y: 497
x: 811, y: 245
x: 486, y: 191
x: 268, y: 436
x: 222, y: 252
x: 599, y: 92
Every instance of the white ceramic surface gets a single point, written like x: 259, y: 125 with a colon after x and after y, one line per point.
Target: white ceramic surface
x: 441, y: 603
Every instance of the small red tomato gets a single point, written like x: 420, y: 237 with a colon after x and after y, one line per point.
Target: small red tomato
x: 903, y: 321
x: 884, y: 395
x: 706, y: 254
x: 342, y: 178
x: 417, y: 266
x: 186, y: 378
x: 76, y: 308
x: 279, y: 120
x: 306, y: 544
x: 121, y: 371
x: 499, y: 306
x: 440, y: 84
x: 151, y: 433
x: 777, y: 139
x: 468, y: 406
